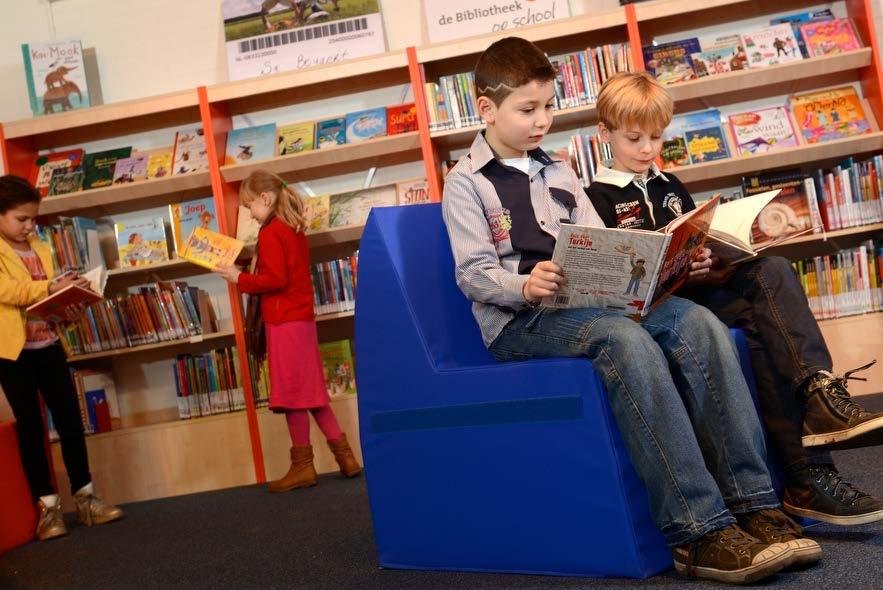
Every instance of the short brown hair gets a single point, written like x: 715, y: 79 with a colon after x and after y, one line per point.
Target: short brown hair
x: 634, y: 98
x: 507, y: 64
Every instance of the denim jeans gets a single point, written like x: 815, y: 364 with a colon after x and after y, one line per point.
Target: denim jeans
x: 765, y: 299
x: 677, y: 393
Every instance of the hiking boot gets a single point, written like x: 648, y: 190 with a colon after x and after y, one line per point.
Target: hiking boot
x: 773, y: 526
x: 819, y: 492
x: 51, y: 523
x: 833, y: 420
x: 92, y: 510
x: 731, y: 555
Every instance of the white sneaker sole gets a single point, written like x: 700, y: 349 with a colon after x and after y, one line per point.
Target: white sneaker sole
x: 841, y: 438
x: 746, y: 575
x: 831, y: 519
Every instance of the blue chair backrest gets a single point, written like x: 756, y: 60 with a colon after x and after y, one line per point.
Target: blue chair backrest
x: 417, y: 242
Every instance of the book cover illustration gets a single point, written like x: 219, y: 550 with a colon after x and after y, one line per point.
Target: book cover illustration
x: 99, y: 166
x: 56, y: 76
x: 190, y: 152
x: 295, y: 138
x: 317, y: 213
x: 46, y: 165
x: 190, y: 214
x: 251, y: 143
x: 829, y: 37
x: 54, y: 308
x: 787, y: 214
x: 352, y: 208
x: 141, y: 243
x: 247, y: 227
x: 210, y: 249
x: 674, y: 151
x: 159, y: 163
x: 130, y: 169
x: 365, y: 125
x: 66, y: 181
x: 716, y: 61
x: 412, y: 192
x: 702, y: 136
x: 670, y: 63
x: 829, y: 114
x: 401, y: 118
x: 337, y: 362
x: 771, y: 45
x: 761, y: 131
x: 330, y: 132
x: 795, y: 20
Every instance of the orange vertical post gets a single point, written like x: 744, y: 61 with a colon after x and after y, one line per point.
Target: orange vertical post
x: 427, y: 148
x: 216, y: 123
x: 631, y: 23
x: 872, y: 76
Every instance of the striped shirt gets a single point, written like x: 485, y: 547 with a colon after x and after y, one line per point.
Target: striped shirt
x: 502, y: 222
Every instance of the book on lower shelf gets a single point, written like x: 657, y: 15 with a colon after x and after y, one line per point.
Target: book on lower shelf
x: 97, y: 400
x: 337, y: 363
x: 334, y: 285
x: 208, y: 383
x: 824, y: 115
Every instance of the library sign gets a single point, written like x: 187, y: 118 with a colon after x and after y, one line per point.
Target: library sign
x: 454, y: 19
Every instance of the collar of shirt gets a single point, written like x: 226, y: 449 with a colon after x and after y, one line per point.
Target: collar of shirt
x: 623, y: 179
x: 483, y: 154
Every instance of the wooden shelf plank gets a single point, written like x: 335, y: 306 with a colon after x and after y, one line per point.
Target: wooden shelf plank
x: 664, y: 8
x: 137, y: 195
x: 146, y: 347
x: 327, y: 317
x: 165, y: 420
x: 831, y: 235
x: 330, y: 161
x: 871, y: 316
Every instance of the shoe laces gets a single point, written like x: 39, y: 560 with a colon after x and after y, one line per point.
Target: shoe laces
x: 830, y: 478
x: 736, y: 538
x: 776, y: 523
x: 836, y: 388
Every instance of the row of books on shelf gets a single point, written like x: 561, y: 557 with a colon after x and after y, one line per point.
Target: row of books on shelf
x: 334, y: 284
x: 266, y: 141
x: 160, y: 312
x: 849, y: 282
x: 786, y: 39
x: 208, y: 383
x: 96, y: 399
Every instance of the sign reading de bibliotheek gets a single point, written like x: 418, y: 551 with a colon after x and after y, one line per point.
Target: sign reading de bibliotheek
x: 268, y: 36
x: 455, y: 19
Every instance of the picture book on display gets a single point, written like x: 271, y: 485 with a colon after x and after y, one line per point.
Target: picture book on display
x: 247, y: 227
x: 66, y: 180
x: 337, y: 362
x: 330, y: 132
x: 159, y: 163
x: 771, y: 45
x: 142, y: 242
x: 412, y: 192
x: 317, y: 213
x: 764, y: 130
x: 793, y: 211
x: 190, y: 151
x: 365, y: 125
x: 828, y: 37
x: 628, y: 271
x: 401, y: 118
x: 829, y: 114
x: 190, y: 214
x: 100, y: 166
x: 251, y: 143
x: 715, y: 61
x: 295, y: 138
x: 210, y: 249
x: 130, y: 169
x: 53, y: 308
x: 46, y: 165
x: 698, y: 134
x: 56, y: 76
x: 795, y: 20
x: 352, y: 208
x: 670, y: 63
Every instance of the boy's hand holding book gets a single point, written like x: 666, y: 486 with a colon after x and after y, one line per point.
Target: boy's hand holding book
x: 544, y: 281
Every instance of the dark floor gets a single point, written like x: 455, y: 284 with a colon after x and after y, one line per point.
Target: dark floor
x: 322, y: 538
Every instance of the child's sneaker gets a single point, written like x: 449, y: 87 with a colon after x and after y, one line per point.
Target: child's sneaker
x: 92, y: 510
x: 51, y: 523
x: 820, y: 492
x: 731, y: 555
x: 833, y: 420
x: 773, y: 526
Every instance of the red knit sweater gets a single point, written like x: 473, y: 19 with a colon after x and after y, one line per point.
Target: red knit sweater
x: 283, y: 274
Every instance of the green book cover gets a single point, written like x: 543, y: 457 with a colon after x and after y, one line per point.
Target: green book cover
x: 99, y: 166
x: 340, y: 374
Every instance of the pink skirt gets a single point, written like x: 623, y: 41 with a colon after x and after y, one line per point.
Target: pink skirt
x: 297, y: 379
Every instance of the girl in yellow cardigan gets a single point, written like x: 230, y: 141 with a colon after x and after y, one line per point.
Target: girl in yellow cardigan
x: 32, y: 360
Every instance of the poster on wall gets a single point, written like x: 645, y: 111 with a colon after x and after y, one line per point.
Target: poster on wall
x: 268, y: 36
x: 447, y: 20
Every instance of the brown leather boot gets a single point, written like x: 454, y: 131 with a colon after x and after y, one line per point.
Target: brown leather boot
x: 343, y: 454
x: 302, y: 474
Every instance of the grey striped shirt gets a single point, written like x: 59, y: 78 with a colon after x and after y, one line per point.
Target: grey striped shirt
x: 501, y: 222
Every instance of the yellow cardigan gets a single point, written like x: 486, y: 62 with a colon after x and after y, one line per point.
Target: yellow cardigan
x: 18, y: 291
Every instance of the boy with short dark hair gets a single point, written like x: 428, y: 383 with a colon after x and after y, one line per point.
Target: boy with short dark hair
x: 696, y: 443
x: 799, y: 396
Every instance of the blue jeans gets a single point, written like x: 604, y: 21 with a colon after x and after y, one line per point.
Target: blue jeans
x: 677, y: 393
x: 634, y: 284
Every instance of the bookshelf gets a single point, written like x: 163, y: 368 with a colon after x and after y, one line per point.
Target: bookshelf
x: 253, y: 442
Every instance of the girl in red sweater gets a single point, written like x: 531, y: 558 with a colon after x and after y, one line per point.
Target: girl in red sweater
x: 282, y: 279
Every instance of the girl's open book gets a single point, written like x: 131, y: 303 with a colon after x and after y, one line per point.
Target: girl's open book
x: 53, y: 308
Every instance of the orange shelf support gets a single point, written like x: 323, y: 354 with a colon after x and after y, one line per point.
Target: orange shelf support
x: 428, y: 149
x: 631, y: 23
x: 872, y: 76
x: 216, y: 122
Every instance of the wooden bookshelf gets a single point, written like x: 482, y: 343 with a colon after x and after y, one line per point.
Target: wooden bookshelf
x: 168, y: 344
x: 328, y: 317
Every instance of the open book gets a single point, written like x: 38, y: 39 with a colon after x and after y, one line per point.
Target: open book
x: 53, y: 308
x: 742, y: 228
x: 210, y: 249
x: 628, y: 271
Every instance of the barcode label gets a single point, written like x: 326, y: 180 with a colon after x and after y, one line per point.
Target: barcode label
x: 562, y: 300
x: 300, y: 35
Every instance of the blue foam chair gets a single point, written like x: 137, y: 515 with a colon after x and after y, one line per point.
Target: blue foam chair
x: 472, y: 464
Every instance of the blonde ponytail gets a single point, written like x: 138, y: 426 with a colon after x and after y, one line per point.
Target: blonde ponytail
x: 289, y: 207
